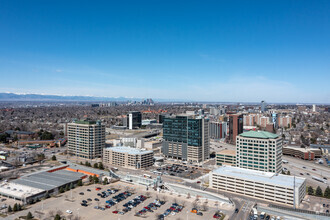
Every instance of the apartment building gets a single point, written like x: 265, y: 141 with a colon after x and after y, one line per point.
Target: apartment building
x: 235, y: 126
x: 284, y: 121
x: 186, y: 137
x: 259, y: 150
x: 128, y: 157
x: 276, y: 188
x: 217, y: 130
x: 86, y: 138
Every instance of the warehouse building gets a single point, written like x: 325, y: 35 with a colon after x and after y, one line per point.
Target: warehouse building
x: 36, y: 185
x: 128, y: 157
x: 271, y: 187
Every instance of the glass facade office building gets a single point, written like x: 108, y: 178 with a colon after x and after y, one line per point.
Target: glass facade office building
x: 186, y: 138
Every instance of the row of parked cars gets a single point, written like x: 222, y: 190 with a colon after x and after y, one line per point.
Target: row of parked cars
x: 173, y: 210
x: 133, y: 203
x: 107, y: 193
x: 151, y: 207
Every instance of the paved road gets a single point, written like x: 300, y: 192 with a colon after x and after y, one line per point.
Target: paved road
x: 296, y: 165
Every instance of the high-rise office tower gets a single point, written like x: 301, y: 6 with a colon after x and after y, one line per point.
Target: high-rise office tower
x: 86, y: 138
x: 259, y: 150
x: 235, y: 126
x: 134, y: 120
x: 263, y: 106
x: 186, y: 137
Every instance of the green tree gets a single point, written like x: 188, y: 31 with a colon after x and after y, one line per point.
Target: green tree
x: 19, y: 207
x: 96, y: 179
x: 327, y: 192
x: 71, y: 186
x: 29, y: 216
x: 318, y: 191
x: 57, y: 217
x: 96, y: 165
x: 105, y: 181
x: 282, y: 172
x: 310, y: 190
x: 53, y: 157
x: 288, y: 173
x: 10, y: 209
x: 101, y: 166
x: 67, y: 188
x: 61, y: 190
x: 79, y: 183
x: 90, y: 178
x: 15, y: 207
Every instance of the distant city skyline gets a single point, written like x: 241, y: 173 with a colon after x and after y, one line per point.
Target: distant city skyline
x: 229, y: 51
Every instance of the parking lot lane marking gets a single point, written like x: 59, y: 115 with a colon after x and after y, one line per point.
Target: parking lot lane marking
x: 241, y: 207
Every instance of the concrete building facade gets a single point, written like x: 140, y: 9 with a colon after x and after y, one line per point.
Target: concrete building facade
x: 275, y: 188
x: 128, y: 157
x: 259, y: 150
x: 217, y: 130
x: 226, y: 157
x: 86, y: 139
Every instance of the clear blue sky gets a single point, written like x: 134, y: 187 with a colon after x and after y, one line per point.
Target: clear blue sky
x: 278, y: 51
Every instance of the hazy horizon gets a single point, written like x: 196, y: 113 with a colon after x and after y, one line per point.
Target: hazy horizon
x: 232, y: 51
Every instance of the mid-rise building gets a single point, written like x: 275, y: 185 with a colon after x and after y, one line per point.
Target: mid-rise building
x: 133, y: 120
x: 259, y: 150
x: 303, y: 153
x: 226, y: 157
x: 264, y: 121
x: 271, y: 187
x: 235, y: 126
x: 86, y: 139
x: 128, y: 157
x: 217, y: 130
x: 284, y: 121
x: 186, y: 137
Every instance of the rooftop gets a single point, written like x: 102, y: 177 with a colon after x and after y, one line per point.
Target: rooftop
x: 48, y: 180
x: 259, y: 176
x: 129, y: 150
x: 227, y: 152
x: 259, y: 134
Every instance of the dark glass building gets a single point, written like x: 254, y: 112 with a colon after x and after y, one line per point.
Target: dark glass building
x: 186, y: 138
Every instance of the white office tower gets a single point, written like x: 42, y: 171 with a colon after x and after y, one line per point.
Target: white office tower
x: 86, y: 139
x: 259, y: 150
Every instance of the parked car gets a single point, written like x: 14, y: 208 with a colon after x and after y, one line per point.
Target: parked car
x: 69, y: 211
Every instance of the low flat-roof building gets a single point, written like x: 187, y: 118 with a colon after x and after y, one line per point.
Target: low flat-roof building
x: 128, y: 157
x: 276, y: 188
x: 302, y: 153
x: 226, y: 157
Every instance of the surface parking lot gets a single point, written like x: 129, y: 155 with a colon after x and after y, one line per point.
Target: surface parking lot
x: 95, y: 208
x: 179, y: 170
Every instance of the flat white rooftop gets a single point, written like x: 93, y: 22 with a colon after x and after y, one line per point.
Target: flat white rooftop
x: 259, y: 176
x: 17, y: 190
x: 129, y: 150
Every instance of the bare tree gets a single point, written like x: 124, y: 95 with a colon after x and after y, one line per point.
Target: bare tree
x: 51, y: 213
x: 194, y: 205
x: 59, y: 212
x: 165, y: 198
x: 175, y: 200
x: 188, y: 196
x: 148, y: 194
x: 70, y: 216
x: 204, y: 207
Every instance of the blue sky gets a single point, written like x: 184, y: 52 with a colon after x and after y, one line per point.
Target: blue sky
x: 278, y: 51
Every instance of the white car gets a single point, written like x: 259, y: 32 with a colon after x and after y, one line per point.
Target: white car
x: 69, y: 211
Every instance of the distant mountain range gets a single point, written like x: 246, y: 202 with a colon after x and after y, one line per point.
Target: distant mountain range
x: 38, y: 97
